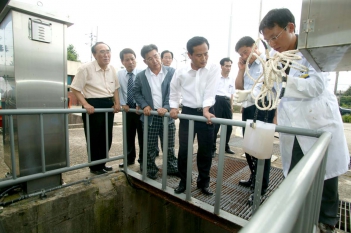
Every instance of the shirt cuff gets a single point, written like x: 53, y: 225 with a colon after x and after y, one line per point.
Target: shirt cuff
x: 208, y: 103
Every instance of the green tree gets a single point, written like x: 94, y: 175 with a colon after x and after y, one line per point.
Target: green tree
x: 72, y: 54
x: 347, y: 92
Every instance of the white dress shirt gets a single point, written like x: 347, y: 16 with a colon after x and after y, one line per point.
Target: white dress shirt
x: 197, y: 87
x: 123, y: 78
x: 155, y: 82
x: 255, y: 71
x: 226, y: 86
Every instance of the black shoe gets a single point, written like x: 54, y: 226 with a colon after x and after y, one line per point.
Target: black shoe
x: 229, y: 151
x: 174, y: 174
x: 245, y: 183
x: 180, y: 189
x: 153, y: 177
x: 98, y: 172
x: 107, y: 168
x: 207, y: 191
x: 128, y: 163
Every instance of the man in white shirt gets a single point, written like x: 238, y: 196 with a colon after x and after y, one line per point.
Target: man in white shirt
x: 244, y: 82
x: 197, y: 83
x: 126, y: 79
x: 166, y: 58
x: 96, y: 86
x: 224, y: 102
x: 151, y: 92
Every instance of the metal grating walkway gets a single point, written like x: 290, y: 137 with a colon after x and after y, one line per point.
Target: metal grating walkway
x: 234, y: 197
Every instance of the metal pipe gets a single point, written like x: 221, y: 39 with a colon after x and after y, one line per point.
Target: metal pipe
x: 220, y: 169
x: 190, y: 160
x: 88, y: 136
x: 19, y: 180
x: 106, y: 134
x: 145, y: 132
x: 125, y: 148
x: 42, y: 148
x: 67, y: 141
x: 258, y: 186
x: 12, y: 146
x: 165, y: 153
x: 285, y: 203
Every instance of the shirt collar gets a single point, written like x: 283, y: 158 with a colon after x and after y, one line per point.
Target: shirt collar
x: 151, y: 73
x: 189, y: 68
x: 97, y: 67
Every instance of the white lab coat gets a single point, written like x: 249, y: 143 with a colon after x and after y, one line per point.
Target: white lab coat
x: 307, y: 103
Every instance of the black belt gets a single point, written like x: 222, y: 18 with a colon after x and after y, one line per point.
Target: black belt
x: 104, y: 98
x: 222, y: 97
x: 200, y: 109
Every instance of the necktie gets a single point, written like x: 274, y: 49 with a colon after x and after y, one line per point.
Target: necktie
x: 130, y: 93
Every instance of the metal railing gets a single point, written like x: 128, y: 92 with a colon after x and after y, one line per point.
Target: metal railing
x: 308, y: 174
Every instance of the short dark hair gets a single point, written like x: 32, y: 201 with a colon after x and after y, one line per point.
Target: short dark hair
x: 97, y: 43
x: 245, y: 41
x: 148, y: 48
x: 126, y: 51
x: 166, y: 51
x: 195, y: 41
x: 226, y: 59
x: 280, y: 17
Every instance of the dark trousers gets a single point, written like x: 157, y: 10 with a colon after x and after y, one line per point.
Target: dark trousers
x: 204, y: 134
x: 222, y: 109
x: 249, y: 113
x: 134, y: 126
x: 328, y: 213
x: 97, y: 130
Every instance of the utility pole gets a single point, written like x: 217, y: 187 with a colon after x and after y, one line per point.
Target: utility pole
x: 91, y: 37
x: 185, y: 55
x: 230, y: 29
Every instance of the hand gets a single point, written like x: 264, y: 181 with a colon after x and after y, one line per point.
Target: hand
x: 241, y: 95
x: 90, y: 109
x: 174, y: 113
x: 147, y: 111
x: 116, y: 108
x: 138, y: 108
x: 162, y: 111
x: 125, y: 108
x: 208, y: 115
x: 241, y: 64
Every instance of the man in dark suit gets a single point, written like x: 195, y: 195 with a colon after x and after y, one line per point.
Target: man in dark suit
x: 151, y: 92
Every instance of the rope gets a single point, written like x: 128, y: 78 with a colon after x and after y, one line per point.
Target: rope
x: 272, y: 73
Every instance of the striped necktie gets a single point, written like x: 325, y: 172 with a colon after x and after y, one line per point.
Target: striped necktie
x: 130, y: 93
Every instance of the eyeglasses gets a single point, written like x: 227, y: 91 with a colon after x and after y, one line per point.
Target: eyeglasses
x: 275, y: 37
x: 154, y: 57
x: 103, y: 52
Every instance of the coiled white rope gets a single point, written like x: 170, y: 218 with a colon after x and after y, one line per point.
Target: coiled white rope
x: 272, y: 73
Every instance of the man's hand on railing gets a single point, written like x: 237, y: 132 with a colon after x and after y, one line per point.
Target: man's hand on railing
x: 138, y: 108
x: 162, y: 111
x: 174, y: 113
x: 116, y: 108
x: 208, y: 115
x: 90, y: 109
x: 147, y: 111
x: 125, y: 108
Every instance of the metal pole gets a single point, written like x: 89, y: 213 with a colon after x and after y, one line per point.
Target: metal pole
x: 190, y: 160
x: 220, y: 167
x: 88, y: 136
x: 146, y: 129
x: 230, y: 29
x: 165, y: 152
x: 125, y: 149
x: 67, y: 141
x: 42, y: 148
x: 258, y: 186
x: 12, y: 146
x: 106, y: 133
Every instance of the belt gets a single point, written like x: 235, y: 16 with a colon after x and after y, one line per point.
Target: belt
x: 222, y: 97
x: 200, y: 109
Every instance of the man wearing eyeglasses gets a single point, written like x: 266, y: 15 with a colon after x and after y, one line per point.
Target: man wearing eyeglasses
x: 307, y: 103
x: 244, y: 82
x: 151, y: 93
x: 96, y: 86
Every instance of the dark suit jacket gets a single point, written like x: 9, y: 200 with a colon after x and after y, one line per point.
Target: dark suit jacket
x: 143, y: 95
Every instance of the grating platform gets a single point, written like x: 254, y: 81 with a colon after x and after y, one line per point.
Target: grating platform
x: 234, y: 197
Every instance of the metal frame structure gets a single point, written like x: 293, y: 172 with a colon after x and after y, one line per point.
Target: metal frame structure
x: 296, y: 203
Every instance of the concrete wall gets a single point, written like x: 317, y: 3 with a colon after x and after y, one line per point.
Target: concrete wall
x: 108, y: 204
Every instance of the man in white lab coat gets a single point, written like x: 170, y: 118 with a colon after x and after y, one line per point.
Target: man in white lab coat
x: 307, y: 103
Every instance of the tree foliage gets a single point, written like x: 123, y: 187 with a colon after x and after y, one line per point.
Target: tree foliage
x: 347, y: 92
x: 72, y: 54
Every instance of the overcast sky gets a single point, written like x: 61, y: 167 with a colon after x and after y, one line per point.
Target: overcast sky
x: 167, y: 24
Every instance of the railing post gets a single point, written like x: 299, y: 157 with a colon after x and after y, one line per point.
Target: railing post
x: 145, y: 132
x: 88, y: 136
x: 190, y: 160
x: 220, y: 168
x: 258, y: 186
x: 106, y: 134
x: 67, y: 141
x: 12, y: 147
x: 165, y: 152
x: 125, y: 146
x: 42, y: 148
